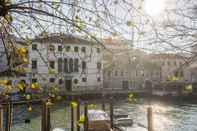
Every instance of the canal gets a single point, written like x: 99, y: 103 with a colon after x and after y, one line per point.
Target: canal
x: 168, y: 116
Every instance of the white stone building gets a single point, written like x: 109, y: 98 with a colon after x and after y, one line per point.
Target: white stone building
x: 70, y: 62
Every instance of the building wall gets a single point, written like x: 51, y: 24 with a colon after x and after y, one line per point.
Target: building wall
x: 91, y: 57
x: 125, y: 69
x: 169, y: 65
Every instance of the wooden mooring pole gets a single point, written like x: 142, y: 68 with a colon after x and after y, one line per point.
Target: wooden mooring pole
x: 86, y: 117
x: 150, y: 118
x: 78, y: 115
x: 45, y: 116
x: 111, y: 114
x: 72, y: 119
x: 8, y: 121
x: 1, y: 118
x: 103, y: 103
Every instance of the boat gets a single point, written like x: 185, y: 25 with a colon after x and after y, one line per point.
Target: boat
x: 119, y: 113
x: 98, y: 120
x: 123, y: 122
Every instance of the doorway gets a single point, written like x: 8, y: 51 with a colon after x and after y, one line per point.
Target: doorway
x: 68, y: 85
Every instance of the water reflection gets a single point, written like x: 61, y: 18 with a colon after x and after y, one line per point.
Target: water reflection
x: 167, y: 116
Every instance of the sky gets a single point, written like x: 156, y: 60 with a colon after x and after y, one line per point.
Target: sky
x: 110, y: 18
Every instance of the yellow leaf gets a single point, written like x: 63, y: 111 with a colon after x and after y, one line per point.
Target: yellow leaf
x: 21, y: 86
x: 34, y: 85
x: 73, y: 104
x: 49, y: 103
x: 28, y: 97
x: 4, y: 82
x: 30, y: 108
x: 9, y: 18
x: 130, y: 95
x: 51, y: 71
x: 189, y: 88
x: 92, y: 106
x: 25, y: 60
x: 81, y: 120
x: 173, y: 78
x: 130, y: 23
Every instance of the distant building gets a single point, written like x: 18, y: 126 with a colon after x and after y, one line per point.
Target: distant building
x: 126, y: 67
x: 171, y: 65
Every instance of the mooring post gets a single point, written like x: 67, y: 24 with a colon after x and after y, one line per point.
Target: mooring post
x: 111, y: 113
x: 150, y: 118
x: 45, y: 116
x: 86, y: 117
x: 103, y: 103
x: 72, y: 118
x: 1, y: 118
x: 103, y: 106
x: 8, y: 121
x: 78, y: 115
x: 48, y: 117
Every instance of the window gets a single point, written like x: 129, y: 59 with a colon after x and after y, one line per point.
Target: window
x: 70, y: 65
x: 83, y: 49
x: 60, y: 66
x: 34, y: 80
x: 51, y: 47
x: 181, y: 73
x: 84, y: 79
x: 174, y: 63
x: 65, y: 65
x: 99, y: 65
x: 98, y: 50
x: 83, y: 66
x: 109, y: 73
x: 116, y: 73
x: 168, y: 63
x: 34, y: 46
x: 76, y: 65
x: 75, y: 81
x: 98, y: 79
x: 51, y: 80
x: 76, y: 49
x: 60, y: 82
x: 122, y: 73
x: 52, y: 64
x: 67, y: 48
x: 59, y: 48
x: 34, y: 64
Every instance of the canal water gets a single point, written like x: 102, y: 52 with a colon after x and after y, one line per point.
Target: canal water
x: 168, y: 116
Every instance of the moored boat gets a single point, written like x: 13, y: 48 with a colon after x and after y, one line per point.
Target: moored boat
x: 98, y: 120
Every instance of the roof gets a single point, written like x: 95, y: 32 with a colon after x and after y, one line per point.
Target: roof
x: 60, y: 38
x: 116, y: 44
x: 166, y: 56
